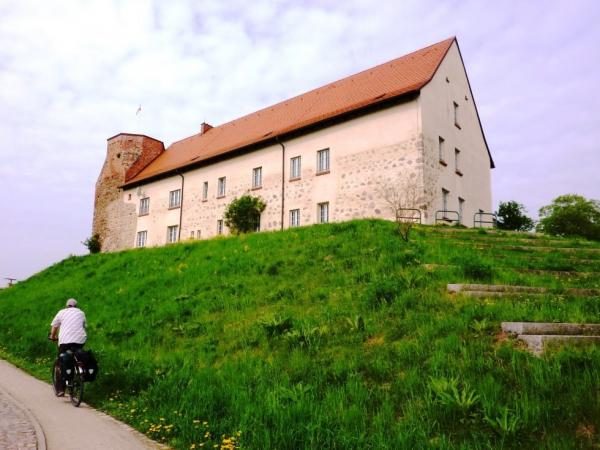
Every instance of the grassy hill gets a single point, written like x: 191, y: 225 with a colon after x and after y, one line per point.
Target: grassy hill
x: 332, y: 336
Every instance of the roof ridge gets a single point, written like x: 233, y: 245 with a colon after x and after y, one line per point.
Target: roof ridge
x: 369, y: 87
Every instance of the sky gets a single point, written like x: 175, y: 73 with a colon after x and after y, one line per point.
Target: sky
x: 73, y: 74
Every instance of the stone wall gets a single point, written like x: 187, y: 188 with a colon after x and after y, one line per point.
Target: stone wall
x: 114, y: 219
x: 366, y: 152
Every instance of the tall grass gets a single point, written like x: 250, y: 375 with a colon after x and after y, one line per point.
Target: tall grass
x: 330, y: 336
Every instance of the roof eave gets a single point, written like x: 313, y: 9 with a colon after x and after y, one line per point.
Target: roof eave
x: 285, y: 134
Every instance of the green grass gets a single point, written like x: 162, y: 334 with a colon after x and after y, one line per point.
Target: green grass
x: 332, y: 336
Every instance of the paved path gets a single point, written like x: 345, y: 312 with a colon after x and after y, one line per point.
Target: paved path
x: 32, y: 417
x: 17, y: 426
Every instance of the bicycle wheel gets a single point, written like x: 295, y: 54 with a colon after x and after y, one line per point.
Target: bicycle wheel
x: 57, y: 384
x: 76, y: 388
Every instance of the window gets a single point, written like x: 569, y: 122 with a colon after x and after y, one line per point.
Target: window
x: 323, y: 161
x: 221, y: 188
x: 192, y: 234
x: 294, y: 218
x: 172, y: 234
x: 441, y: 145
x: 175, y: 199
x: 457, y: 161
x: 257, y: 177
x: 461, y: 205
x: 144, y: 206
x: 219, y: 226
x: 141, y: 239
x: 445, y: 200
x: 205, y: 191
x: 456, y: 115
x: 198, y: 234
x: 323, y: 211
x: 257, y: 223
x: 295, y: 168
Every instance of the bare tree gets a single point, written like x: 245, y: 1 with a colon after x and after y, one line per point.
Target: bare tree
x: 402, y: 197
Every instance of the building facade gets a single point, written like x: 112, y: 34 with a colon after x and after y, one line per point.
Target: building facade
x: 324, y: 156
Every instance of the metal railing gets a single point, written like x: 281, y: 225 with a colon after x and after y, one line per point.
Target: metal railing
x: 478, y: 219
x: 444, y: 216
x: 400, y: 217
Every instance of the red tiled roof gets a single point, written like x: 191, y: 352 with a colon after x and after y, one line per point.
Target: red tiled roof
x: 401, y: 76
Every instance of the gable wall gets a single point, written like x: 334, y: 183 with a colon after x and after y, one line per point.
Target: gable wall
x: 436, y: 102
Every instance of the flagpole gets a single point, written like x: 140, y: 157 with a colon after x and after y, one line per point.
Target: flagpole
x: 138, y: 114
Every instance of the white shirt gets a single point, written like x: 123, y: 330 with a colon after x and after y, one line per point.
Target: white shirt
x: 72, y: 326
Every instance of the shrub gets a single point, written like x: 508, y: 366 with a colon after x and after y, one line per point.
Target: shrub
x: 571, y: 215
x: 93, y: 243
x: 477, y: 269
x: 511, y: 216
x: 243, y: 214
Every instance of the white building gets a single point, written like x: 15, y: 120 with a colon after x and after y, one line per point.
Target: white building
x: 318, y: 157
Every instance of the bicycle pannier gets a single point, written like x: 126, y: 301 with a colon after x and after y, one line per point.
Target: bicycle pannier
x: 90, y: 364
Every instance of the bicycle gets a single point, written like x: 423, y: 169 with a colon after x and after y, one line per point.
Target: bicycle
x: 73, y: 385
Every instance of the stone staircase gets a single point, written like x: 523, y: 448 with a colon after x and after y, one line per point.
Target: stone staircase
x: 541, y: 336
x: 505, y: 290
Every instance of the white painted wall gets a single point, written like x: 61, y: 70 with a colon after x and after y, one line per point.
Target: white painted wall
x: 363, y: 152
x: 436, y: 102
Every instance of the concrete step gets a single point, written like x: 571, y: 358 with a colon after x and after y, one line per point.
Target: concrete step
x: 538, y: 343
x: 529, y: 248
x: 518, y: 239
x: 542, y: 272
x: 501, y: 290
x: 541, y: 328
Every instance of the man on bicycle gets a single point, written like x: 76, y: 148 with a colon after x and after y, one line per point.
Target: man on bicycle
x: 69, y: 323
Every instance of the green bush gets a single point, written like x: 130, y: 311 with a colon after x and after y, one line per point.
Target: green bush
x: 93, y: 243
x: 477, y: 270
x: 571, y: 215
x: 243, y: 214
x: 511, y: 216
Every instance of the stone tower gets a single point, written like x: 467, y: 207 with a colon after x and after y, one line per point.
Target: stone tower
x: 114, y: 218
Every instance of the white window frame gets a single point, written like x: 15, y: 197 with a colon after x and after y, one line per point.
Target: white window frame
x: 323, y: 165
x: 323, y: 212
x: 295, y: 168
x: 205, y: 191
x: 175, y: 199
x: 142, y: 238
x: 294, y: 217
x: 257, y: 224
x: 445, y: 195
x: 456, y: 115
x: 457, y: 161
x: 221, y: 187
x: 172, y: 234
x: 441, y: 149
x: 257, y: 177
x: 144, y: 206
x: 220, y: 226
